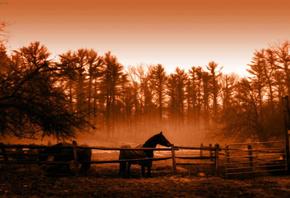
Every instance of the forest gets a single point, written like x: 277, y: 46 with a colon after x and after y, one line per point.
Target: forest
x: 83, y: 91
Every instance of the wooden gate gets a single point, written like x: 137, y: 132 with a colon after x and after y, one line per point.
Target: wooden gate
x: 257, y: 157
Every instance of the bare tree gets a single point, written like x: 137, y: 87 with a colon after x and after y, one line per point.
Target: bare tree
x: 31, y: 103
x: 283, y: 62
x: 111, y: 86
x: 206, y: 95
x: 68, y: 75
x: 158, y: 79
x: 176, y: 93
x: 95, y: 67
x: 4, y: 34
x: 228, y: 84
x: 215, y: 85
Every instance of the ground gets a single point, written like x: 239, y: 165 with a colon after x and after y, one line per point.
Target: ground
x: 104, y: 181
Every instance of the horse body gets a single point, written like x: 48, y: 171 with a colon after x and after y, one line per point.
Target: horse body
x: 66, y: 154
x: 137, y: 154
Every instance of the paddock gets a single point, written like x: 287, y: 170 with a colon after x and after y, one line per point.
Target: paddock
x: 219, y: 161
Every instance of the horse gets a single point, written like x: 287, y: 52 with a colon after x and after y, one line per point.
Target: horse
x: 66, y: 154
x: 135, y: 154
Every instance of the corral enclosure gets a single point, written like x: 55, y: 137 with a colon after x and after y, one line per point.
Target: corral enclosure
x: 103, y: 180
x: 234, y: 159
x: 256, y: 157
x: 27, y: 154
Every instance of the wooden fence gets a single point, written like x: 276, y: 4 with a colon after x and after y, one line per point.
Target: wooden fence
x: 208, y: 155
x: 25, y: 154
x: 239, y: 158
x: 255, y: 157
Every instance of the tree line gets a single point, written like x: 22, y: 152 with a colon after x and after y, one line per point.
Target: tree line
x: 83, y: 90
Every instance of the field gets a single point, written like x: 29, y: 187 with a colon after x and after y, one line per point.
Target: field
x: 104, y: 181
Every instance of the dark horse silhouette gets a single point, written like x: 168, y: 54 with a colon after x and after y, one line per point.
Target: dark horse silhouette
x: 135, y: 154
x: 66, y: 154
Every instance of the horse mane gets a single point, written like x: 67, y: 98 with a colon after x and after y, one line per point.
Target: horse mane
x: 151, y: 142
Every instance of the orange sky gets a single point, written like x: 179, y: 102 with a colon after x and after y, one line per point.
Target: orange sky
x: 180, y: 33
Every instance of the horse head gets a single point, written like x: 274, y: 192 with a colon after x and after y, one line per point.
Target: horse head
x: 157, y: 139
x: 162, y: 140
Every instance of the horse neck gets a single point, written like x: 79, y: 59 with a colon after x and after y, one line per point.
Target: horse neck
x: 150, y: 143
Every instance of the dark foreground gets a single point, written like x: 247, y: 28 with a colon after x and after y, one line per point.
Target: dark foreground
x: 103, y: 181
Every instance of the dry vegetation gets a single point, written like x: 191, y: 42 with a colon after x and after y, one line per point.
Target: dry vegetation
x: 104, y: 181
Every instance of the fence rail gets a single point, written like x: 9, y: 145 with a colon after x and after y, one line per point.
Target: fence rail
x: 17, y: 154
x: 242, y: 158
x: 248, y: 158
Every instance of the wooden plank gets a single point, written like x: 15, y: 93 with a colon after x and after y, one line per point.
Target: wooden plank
x: 269, y: 142
x: 197, y: 157
x: 129, y: 160
x: 250, y: 152
x: 33, y: 162
x: 3, y: 152
x: 254, y: 156
x: 251, y: 172
x: 217, y: 149
x: 241, y: 168
x: 201, y: 149
x: 118, y: 149
x: 27, y: 146
x: 97, y: 148
x: 195, y: 148
x: 173, y: 159
x: 228, y: 155
x: 13, y: 153
x: 286, y: 119
x: 266, y: 150
x: 195, y: 164
x: 75, y: 158
x: 211, y: 150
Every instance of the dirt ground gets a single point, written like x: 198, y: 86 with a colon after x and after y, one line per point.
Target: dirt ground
x: 104, y: 181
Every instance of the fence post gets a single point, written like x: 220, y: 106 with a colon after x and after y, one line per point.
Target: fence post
x: 217, y: 148
x: 228, y: 154
x: 173, y: 159
x: 251, y: 155
x: 286, y: 123
x: 75, y: 158
x: 210, y: 152
x: 201, y: 148
x: 4, y: 152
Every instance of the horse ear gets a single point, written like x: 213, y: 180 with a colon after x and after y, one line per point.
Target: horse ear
x: 161, y: 133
